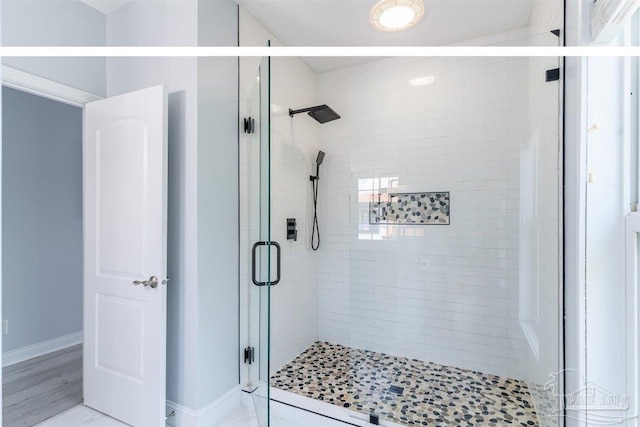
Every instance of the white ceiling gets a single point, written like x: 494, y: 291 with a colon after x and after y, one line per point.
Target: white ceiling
x: 346, y: 23
x: 322, y: 64
x: 106, y: 6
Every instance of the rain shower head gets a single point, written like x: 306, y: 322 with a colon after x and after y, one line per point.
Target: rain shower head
x: 320, y: 157
x: 324, y: 115
x: 321, y: 113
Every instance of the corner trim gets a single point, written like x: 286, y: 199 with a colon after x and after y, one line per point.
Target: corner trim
x: 29, y: 352
x: 36, y: 85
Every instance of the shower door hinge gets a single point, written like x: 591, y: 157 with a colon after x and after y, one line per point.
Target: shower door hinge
x: 553, y: 75
x: 249, y: 125
x: 249, y: 355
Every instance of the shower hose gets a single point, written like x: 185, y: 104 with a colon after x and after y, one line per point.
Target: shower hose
x: 315, y: 230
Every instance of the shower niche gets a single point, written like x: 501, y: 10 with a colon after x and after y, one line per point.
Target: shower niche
x: 429, y: 208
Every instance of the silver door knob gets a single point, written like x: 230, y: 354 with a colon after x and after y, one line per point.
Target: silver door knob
x: 153, y: 282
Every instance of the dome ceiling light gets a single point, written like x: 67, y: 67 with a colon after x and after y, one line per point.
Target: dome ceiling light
x: 396, y: 15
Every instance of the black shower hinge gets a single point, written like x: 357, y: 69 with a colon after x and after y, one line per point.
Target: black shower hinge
x: 556, y: 32
x: 249, y: 125
x: 553, y: 75
x: 249, y: 355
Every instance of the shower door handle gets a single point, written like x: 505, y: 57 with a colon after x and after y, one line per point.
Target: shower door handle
x: 253, y: 263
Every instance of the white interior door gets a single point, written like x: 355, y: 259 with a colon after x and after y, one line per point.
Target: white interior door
x: 125, y: 262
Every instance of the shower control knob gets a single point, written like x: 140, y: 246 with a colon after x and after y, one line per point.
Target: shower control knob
x: 292, y: 233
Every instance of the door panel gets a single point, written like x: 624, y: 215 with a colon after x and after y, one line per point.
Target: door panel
x: 119, y: 325
x: 120, y: 152
x: 125, y: 205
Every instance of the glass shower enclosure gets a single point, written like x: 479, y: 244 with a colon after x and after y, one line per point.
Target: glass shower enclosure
x: 435, y: 296
x: 260, y: 256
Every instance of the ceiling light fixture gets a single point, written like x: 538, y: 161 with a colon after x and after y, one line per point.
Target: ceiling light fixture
x: 396, y: 15
x: 421, y: 81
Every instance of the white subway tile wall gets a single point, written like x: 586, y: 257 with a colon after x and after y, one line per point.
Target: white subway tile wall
x: 448, y: 294
x: 294, y: 308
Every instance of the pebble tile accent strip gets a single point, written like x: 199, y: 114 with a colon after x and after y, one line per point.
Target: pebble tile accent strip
x: 409, y: 208
x: 432, y: 394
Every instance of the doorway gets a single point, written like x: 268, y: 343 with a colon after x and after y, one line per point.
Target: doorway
x: 118, y: 210
x: 42, y: 257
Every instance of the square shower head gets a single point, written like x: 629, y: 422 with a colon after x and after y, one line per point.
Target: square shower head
x: 324, y: 114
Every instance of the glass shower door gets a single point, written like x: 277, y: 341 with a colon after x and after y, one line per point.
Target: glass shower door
x: 258, y: 248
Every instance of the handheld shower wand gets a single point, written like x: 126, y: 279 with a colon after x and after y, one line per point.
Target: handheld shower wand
x: 315, y: 230
x: 319, y: 160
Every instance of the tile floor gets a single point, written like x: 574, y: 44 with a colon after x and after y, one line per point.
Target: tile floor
x: 246, y: 417
x: 365, y: 381
x: 81, y: 416
x: 406, y: 391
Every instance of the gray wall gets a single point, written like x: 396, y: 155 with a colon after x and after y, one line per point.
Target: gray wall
x: 218, y: 239
x: 41, y: 219
x: 56, y: 23
x: 1, y: 205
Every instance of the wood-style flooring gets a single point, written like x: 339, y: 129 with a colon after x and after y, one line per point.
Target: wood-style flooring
x: 42, y: 387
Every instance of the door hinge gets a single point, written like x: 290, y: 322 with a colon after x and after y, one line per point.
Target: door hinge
x: 553, y: 75
x: 556, y: 32
x: 249, y: 355
x: 249, y: 125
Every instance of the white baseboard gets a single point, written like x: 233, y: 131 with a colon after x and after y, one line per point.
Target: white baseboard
x: 29, y: 352
x: 210, y: 415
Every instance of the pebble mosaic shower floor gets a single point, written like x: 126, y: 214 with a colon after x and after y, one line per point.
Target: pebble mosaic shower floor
x: 406, y: 391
